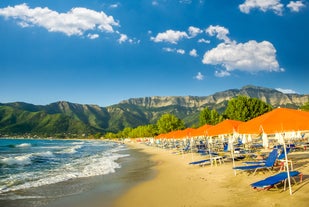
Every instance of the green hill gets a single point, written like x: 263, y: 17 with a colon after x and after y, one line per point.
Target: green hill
x: 64, y: 119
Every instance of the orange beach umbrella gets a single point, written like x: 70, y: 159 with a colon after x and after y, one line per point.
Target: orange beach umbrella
x: 225, y: 127
x: 177, y: 134
x: 201, y: 131
x: 186, y: 133
x: 277, y: 120
x: 168, y: 135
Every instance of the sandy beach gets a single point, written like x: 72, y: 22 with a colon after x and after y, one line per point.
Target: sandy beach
x: 176, y: 183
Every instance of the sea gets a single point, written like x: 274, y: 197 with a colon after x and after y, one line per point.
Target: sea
x: 42, y: 172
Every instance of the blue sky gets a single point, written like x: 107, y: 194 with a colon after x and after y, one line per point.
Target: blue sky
x: 103, y: 52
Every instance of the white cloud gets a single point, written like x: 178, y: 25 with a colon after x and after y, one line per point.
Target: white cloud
x: 173, y: 36
x: 263, y: 5
x: 194, y: 31
x: 123, y: 38
x: 285, y: 90
x: 181, y: 51
x: 74, y: 22
x: 199, y: 76
x: 295, y: 6
x: 168, y: 49
x: 113, y: 6
x: 250, y: 56
x: 193, y: 53
x: 93, y: 36
x: 222, y: 73
x: 23, y: 24
x: 170, y: 36
x: 220, y: 32
x: 202, y: 40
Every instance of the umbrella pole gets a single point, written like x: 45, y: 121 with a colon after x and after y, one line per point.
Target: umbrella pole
x: 287, y: 167
x: 232, y: 153
x: 192, y: 142
x: 209, y: 152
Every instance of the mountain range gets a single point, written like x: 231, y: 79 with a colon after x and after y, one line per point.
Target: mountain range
x: 65, y: 119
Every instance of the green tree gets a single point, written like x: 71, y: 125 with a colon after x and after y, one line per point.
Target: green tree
x: 151, y: 130
x: 109, y: 135
x: 143, y: 131
x: 215, y: 117
x: 204, y: 117
x: 305, y: 107
x: 97, y: 135
x: 208, y: 116
x: 169, y: 122
x: 126, y: 132
x: 243, y: 108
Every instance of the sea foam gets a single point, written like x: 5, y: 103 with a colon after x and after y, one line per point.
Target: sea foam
x: 83, y: 165
x: 18, y: 160
x: 23, y: 145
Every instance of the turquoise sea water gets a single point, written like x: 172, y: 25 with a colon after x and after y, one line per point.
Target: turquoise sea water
x: 29, y: 163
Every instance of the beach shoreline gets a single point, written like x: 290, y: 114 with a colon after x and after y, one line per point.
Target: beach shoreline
x: 95, y: 191
x: 179, y: 184
x: 154, y: 177
x: 135, y: 169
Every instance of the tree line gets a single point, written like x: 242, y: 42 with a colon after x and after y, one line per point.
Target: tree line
x: 240, y: 108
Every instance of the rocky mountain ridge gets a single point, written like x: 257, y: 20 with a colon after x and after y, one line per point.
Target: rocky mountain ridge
x: 71, y: 119
x: 271, y: 96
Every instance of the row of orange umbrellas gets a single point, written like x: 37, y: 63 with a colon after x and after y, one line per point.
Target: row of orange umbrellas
x: 224, y: 127
x: 186, y: 133
x: 275, y: 121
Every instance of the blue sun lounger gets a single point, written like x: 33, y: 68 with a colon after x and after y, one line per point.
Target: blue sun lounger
x: 200, y: 162
x: 274, y: 180
x: 261, y: 162
x: 269, y: 163
x: 281, y: 156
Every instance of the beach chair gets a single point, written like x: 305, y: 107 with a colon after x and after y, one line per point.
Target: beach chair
x: 225, y: 147
x: 260, y: 161
x: 186, y: 148
x: 281, y: 159
x: 275, y: 180
x: 282, y: 154
x: 268, y: 165
x: 201, y: 162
